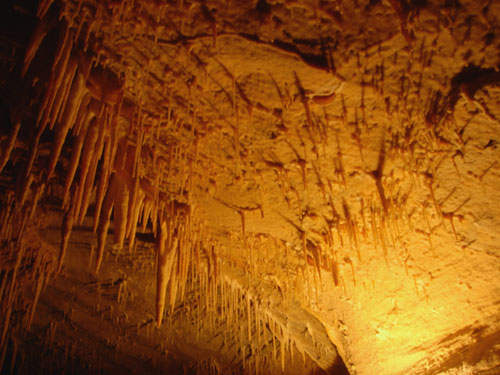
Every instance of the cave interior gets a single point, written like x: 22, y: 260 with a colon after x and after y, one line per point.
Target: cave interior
x: 250, y: 187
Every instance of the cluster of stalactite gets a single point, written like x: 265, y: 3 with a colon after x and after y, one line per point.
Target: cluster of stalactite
x: 27, y: 264
x: 82, y: 104
x: 138, y: 169
x: 246, y: 318
x: 103, y: 153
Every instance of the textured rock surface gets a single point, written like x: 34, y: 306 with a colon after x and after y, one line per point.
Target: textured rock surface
x: 292, y: 186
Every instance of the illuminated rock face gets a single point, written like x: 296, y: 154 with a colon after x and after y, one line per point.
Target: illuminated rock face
x: 292, y: 187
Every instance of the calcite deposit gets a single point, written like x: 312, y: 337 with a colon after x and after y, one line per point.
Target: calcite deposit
x: 250, y: 187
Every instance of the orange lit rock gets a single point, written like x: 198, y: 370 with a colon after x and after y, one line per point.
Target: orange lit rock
x: 294, y: 187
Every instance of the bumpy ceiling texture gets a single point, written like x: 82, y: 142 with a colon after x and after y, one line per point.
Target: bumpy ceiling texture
x: 250, y: 187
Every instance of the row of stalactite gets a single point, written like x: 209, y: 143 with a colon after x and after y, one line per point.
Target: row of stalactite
x: 27, y: 264
x: 115, y: 167
x: 263, y: 341
x: 83, y: 103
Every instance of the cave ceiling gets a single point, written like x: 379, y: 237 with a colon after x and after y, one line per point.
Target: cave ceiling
x: 240, y: 187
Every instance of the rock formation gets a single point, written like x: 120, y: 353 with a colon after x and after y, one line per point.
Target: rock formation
x: 298, y: 187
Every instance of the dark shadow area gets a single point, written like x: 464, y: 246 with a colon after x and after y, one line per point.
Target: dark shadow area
x: 339, y: 368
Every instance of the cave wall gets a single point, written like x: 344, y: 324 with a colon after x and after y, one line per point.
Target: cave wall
x: 250, y: 187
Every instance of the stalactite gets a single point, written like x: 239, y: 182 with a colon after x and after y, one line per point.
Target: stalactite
x: 147, y: 212
x: 165, y: 260
x: 85, y: 161
x: 25, y: 189
x: 76, y: 153
x: 28, y: 176
x: 4, y: 277
x: 174, y: 275
x: 62, y: 95
x: 40, y: 190
x: 43, y: 8
x: 38, y: 290
x: 136, y: 209
x: 81, y: 114
x: 89, y: 180
x: 8, y: 146
x: 102, y: 232
x: 11, y: 295
x: 121, y: 212
x: 66, y: 228
x: 138, y: 148
x: 67, y: 121
x: 156, y: 196
x: 59, y: 72
x: 6, y: 221
x: 103, y: 181
x: 46, y: 23
x: 134, y: 205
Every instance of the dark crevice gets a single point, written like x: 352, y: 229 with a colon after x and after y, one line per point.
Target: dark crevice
x: 471, y: 79
x: 468, y: 81
x: 315, y: 61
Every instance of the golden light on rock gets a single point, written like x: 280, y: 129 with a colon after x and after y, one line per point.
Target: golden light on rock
x: 250, y: 187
